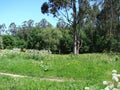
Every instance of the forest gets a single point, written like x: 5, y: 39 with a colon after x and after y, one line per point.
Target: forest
x: 93, y: 28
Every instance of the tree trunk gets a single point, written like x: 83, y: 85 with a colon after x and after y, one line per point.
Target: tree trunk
x: 76, y: 40
x: 76, y: 44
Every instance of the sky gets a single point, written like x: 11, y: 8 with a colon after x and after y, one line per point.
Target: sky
x: 19, y: 11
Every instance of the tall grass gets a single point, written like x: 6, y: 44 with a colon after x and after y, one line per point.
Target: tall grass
x: 89, y: 69
x: 8, y: 83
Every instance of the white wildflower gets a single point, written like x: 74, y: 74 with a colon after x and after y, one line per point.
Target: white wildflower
x: 115, y: 78
x: 111, y: 86
x: 118, y: 75
x: 105, y: 83
x: 114, y: 71
x: 87, y: 88
x: 107, y: 88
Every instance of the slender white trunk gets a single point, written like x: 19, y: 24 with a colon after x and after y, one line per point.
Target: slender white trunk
x: 75, y: 44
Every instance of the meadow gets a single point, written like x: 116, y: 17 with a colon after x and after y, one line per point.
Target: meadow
x: 75, y: 71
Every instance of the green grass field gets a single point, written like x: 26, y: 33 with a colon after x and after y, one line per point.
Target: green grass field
x: 84, y: 69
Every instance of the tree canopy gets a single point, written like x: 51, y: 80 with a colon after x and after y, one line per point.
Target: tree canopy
x: 83, y: 26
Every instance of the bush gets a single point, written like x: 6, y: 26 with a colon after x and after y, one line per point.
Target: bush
x: 8, y: 41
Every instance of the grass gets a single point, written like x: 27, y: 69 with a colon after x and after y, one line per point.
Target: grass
x: 88, y: 69
x: 8, y: 83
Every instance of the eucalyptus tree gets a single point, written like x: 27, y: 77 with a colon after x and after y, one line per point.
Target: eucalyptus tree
x: 73, y: 12
x: 88, y: 34
x: 109, y: 21
x: 30, y: 23
x: 13, y: 29
x: 44, y: 23
x: 2, y: 28
x: 61, y: 24
x: 25, y: 29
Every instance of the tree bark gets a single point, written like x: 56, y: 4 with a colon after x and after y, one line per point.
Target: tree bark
x: 75, y: 43
x: 76, y: 46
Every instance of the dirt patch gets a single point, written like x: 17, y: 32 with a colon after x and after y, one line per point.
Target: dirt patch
x: 12, y: 75
x: 56, y: 79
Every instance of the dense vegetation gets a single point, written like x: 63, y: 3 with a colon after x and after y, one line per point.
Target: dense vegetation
x: 94, y: 25
x: 91, y: 28
x: 98, y: 30
x: 83, y: 70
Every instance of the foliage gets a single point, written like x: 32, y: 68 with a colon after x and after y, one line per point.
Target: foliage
x: 50, y: 38
x: 86, y: 69
x: 66, y: 44
x: 37, y: 84
x: 2, y: 28
x: 34, y: 42
x: 8, y: 41
x: 44, y: 24
x: 73, y: 11
x: 61, y: 24
x: 1, y: 43
x: 108, y: 23
x: 85, y: 27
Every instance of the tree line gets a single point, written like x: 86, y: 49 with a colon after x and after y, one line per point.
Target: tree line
x: 84, y: 27
x: 41, y: 35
